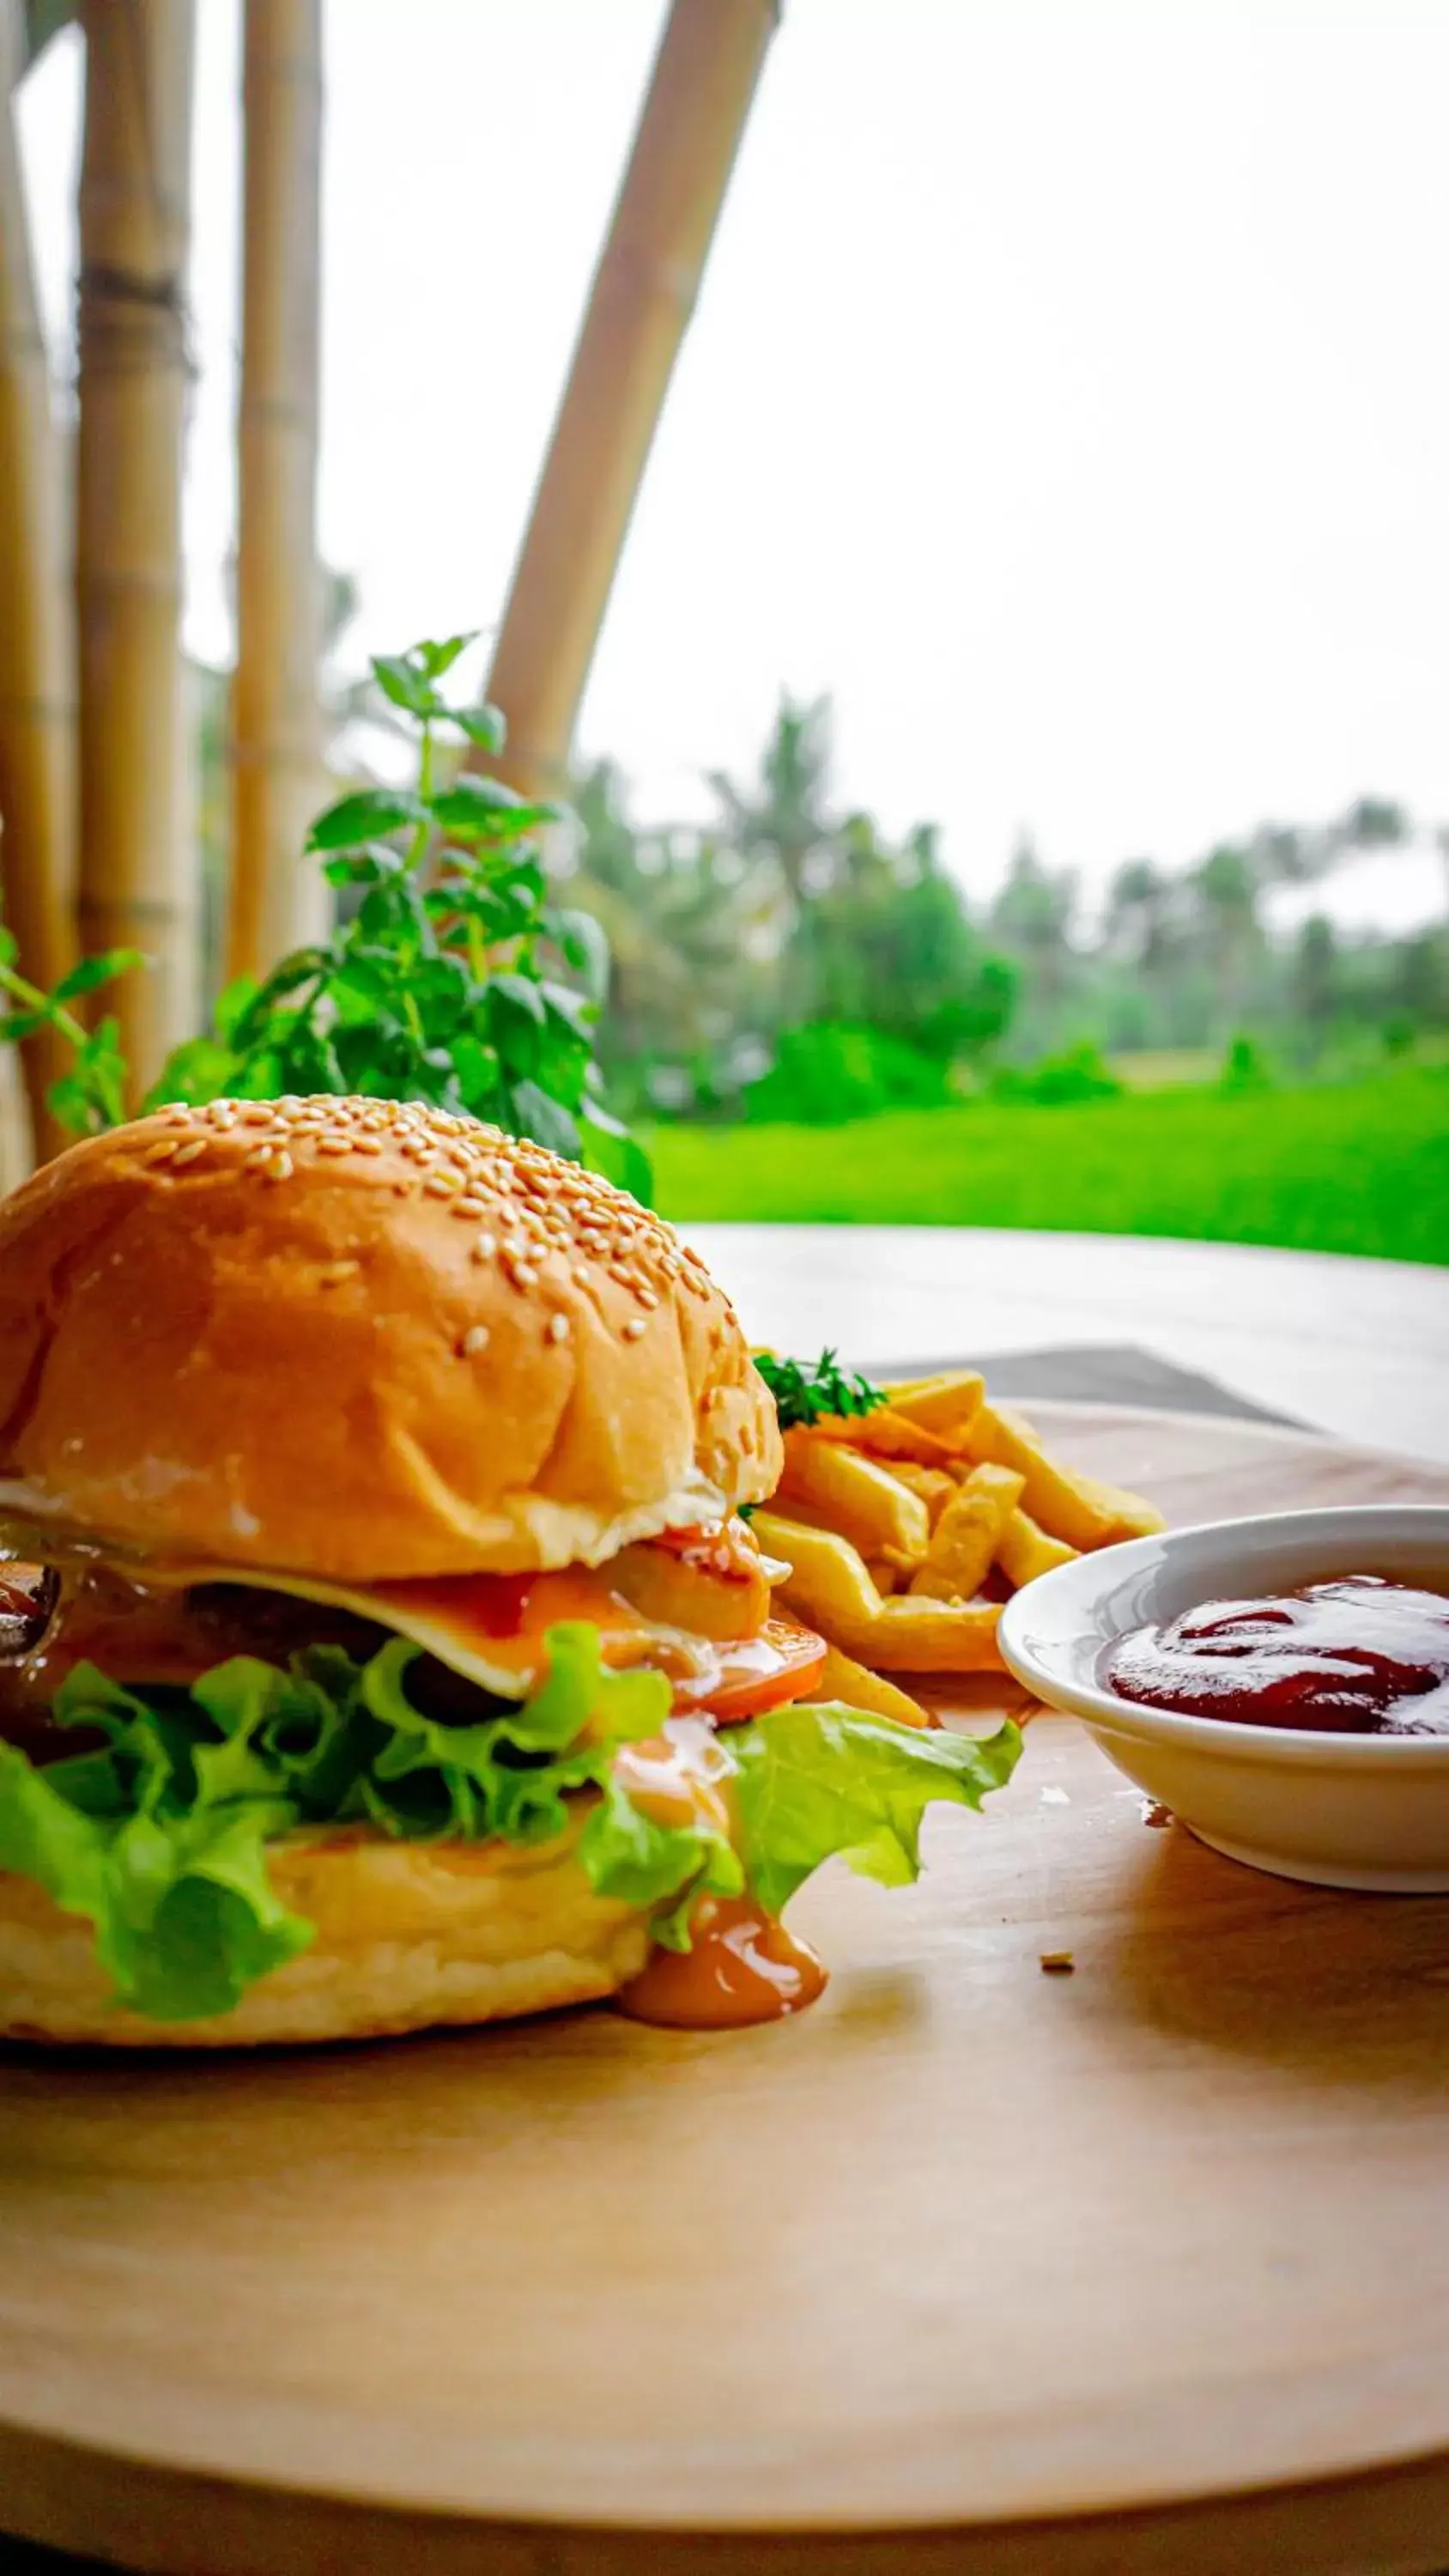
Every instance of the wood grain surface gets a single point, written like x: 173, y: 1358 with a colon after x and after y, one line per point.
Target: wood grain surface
x: 965, y: 2260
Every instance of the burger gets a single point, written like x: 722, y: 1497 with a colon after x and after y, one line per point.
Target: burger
x: 383, y: 1642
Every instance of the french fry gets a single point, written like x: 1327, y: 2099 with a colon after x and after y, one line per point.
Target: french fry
x: 1024, y: 1550
x: 885, y: 1434
x: 930, y: 1637
x: 940, y: 1404
x: 935, y: 1485
x: 830, y: 1588
x: 858, y: 1496
x: 1132, y: 1516
x: 845, y: 1679
x: 828, y: 1576
x: 965, y: 1540
x: 1062, y: 1502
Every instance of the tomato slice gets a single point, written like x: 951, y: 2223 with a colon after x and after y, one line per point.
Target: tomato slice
x: 782, y: 1663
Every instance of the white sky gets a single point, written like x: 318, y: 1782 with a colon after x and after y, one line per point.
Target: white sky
x: 1069, y: 394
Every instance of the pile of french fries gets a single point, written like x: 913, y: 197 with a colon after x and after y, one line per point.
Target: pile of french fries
x: 899, y: 1532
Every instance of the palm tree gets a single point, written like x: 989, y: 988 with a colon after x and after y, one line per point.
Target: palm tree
x: 691, y: 939
x: 785, y: 815
x: 1225, y: 885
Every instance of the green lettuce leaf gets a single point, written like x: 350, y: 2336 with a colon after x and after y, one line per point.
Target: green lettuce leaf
x: 813, y: 1781
x: 159, y: 1837
x: 665, y: 1868
x: 184, y: 1913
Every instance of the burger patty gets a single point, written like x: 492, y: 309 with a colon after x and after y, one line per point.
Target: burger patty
x: 49, y: 1624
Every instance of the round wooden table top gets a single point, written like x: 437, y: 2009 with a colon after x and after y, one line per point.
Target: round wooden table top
x: 1151, y: 2254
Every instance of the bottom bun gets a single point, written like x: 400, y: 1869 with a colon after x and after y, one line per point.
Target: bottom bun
x: 409, y: 1936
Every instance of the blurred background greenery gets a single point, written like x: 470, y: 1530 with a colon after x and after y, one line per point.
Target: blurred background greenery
x: 809, y: 1020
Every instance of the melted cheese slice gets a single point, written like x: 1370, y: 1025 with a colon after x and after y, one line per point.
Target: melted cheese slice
x: 489, y: 1628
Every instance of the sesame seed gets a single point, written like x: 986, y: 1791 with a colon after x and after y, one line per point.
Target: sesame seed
x: 367, y: 1143
x: 335, y: 1144
x: 257, y: 1114
x: 189, y: 1152
x: 558, y: 1328
x: 485, y: 1247
x: 473, y: 1341
x: 440, y: 1185
x: 163, y: 1152
x: 332, y: 1273
x: 634, y: 1327
x: 646, y: 1297
x: 258, y: 1159
x: 521, y: 1275
x: 280, y: 1166
x: 581, y: 1275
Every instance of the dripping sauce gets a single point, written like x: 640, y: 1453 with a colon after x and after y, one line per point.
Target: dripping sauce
x: 742, y: 1966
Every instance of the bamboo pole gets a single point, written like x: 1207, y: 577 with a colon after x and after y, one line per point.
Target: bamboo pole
x: 137, y: 874
x: 276, y: 720
x: 37, y: 690
x: 644, y: 288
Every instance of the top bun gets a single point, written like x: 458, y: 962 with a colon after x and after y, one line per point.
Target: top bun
x: 361, y: 1340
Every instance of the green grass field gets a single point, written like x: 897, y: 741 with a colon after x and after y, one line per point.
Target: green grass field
x: 1358, y: 1168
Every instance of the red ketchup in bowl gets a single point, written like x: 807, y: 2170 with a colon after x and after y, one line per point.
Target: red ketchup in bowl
x: 1360, y: 1655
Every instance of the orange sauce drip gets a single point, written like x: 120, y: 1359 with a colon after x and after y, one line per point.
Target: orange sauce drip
x: 743, y: 1967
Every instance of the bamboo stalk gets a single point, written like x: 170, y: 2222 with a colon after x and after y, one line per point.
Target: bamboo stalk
x: 644, y: 288
x: 37, y: 690
x: 137, y: 874
x: 275, y: 900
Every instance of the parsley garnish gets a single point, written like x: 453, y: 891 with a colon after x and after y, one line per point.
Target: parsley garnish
x: 808, y: 1390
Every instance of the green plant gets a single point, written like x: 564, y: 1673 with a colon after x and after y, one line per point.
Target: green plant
x: 92, y: 1095
x: 1246, y: 1067
x: 807, y: 1390
x: 1079, y: 1073
x: 453, y: 978
x: 831, y: 1070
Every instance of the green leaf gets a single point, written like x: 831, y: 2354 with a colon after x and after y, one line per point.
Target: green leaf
x: 813, y: 1781
x: 630, y: 1856
x: 484, y: 809
x: 93, y: 971
x: 484, y: 725
x: 201, y: 1069
x: 545, y: 1120
x: 400, y: 680
x: 232, y: 1004
x: 521, y: 994
x: 608, y: 1148
x: 367, y: 865
x: 434, y: 659
x: 184, y: 1914
x: 159, y: 1838
x: 366, y: 817
x: 585, y: 944
x: 812, y: 1390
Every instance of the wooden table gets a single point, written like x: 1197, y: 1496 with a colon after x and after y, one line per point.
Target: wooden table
x: 972, y: 2272
x: 1357, y: 1348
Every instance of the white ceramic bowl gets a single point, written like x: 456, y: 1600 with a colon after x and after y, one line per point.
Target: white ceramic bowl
x: 1368, y: 1811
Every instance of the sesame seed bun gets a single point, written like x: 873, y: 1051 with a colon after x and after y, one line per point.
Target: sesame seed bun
x: 409, y: 1936
x: 360, y: 1340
